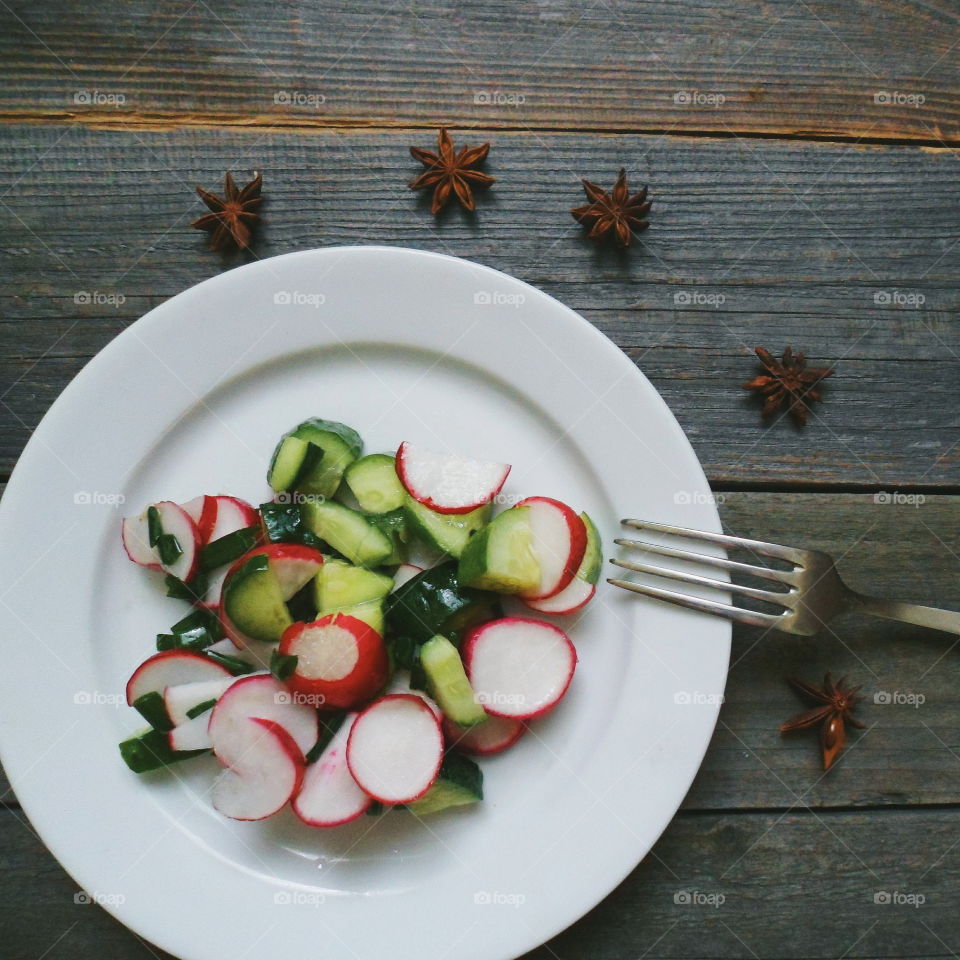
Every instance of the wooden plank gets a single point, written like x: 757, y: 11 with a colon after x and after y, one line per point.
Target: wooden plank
x: 801, y: 240
x: 909, y: 754
x: 793, y: 886
x: 820, y: 68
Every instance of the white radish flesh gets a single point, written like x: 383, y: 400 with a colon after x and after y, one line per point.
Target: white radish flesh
x: 265, y: 697
x: 448, y: 482
x: 170, y: 669
x: 192, y: 735
x: 177, y: 523
x: 558, y: 539
x: 519, y: 668
x: 134, y: 532
x: 264, y: 770
x: 395, y: 749
x: 404, y: 573
x: 494, y: 735
x: 576, y: 594
x: 184, y: 697
x: 231, y: 515
x: 329, y: 795
x: 401, y: 684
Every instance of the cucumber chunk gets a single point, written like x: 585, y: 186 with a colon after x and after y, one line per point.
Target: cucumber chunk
x: 348, y: 532
x: 500, y: 557
x: 460, y: 782
x: 254, y: 603
x: 447, y: 682
x: 447, y: 532
x: 374, y: 482
x: 293, y: 464
x: 395, y: 528
x: 370, y: 612
x: 592, y: 556
x: 339, y: 584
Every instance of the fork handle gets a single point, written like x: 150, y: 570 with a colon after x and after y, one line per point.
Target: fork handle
x: 946, y: 620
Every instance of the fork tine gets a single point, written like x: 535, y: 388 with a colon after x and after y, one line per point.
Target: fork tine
x: 759, y: 546
x: 767, y: 596
x: 779, y: 576
x: 737, y: 614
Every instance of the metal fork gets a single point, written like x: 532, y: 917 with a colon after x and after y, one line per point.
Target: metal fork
x: 814, y: 593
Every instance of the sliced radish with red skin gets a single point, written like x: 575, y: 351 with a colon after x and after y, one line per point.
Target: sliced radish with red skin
x: 264, y: 770
x: 263, y: 696
x: 559, y: 538
x: 519, y: 668
x: 329, y: 795
x: 202, y: 511
x: 342, y: 662
x: 192, y: 735
x: 494, y: 735
x: 211, y: 599
x: 169, y: 669
x: 134, y: 532
x: 401, y: 684
x: 404, y: 573
x: 575, y: 595
x: 176, y: 522
x: 183, y: 697
x: 227, y: 515
x: 448, y: 482
x: 395, y: 749
x: 293, y: 564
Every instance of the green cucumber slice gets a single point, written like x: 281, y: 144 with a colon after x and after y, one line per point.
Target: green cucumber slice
x: 500, y: 557
x: 447, y: 682
x: 370, y: 612
x: 340, y: 446
x: 460, y: 782
x: 374, y: 482
x: 253, y: 601
x: 592, y: 561
x: 348, y: 532
x: 447, y: 532
x: 340, y: 584
x: 292, y: 458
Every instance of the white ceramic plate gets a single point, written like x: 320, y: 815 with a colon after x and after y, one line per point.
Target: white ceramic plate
x: 190, y: 399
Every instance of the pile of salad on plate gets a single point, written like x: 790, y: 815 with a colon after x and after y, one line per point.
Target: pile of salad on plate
x: 325, y: 671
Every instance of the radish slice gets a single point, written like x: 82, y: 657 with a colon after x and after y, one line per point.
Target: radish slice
x: 576, y: 594
x: 492, y: 736
x: 404, y: 573
x: 172, y: 668
x: 183, y: 697
x: 395, y: 749
x: 265, y: 697
x: 177, y: 523
x: 228, y: 514
x: 329, y: 795
x: 448, y: 482
x: 202, y: 511
x: 264, y: 769
x: 559, y: 538
x: 136, y: 541
x: 192, y: 735
x: 401, y: 684
x: 211, y: 599
x: 247, y: 654
x: 519, y: 668
x: 342, y: 662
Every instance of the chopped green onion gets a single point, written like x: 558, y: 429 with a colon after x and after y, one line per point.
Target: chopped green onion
x: 201, y: 708
x: 193, y: 591
x: 282, y: 665
x: 168, y: 549
x: 151, y: 750
x: 154, y: 527
x: 234, y: 664
x: 229, y: 548
x: 154, y: 711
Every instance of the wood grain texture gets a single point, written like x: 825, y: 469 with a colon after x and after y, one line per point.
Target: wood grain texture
x: 819, y: 68
x: 910, y: 753
x: 846, y: 253
x: 793, y: 885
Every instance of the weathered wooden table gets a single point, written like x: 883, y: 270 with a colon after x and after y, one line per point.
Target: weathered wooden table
x: 802, y: 157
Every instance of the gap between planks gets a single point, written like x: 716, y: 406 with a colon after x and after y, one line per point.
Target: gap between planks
x: 266, y: 123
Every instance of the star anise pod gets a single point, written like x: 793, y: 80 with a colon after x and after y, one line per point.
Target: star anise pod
x: 834, y: 711
x: 788, y: 380
x: 451, y: 173
x: 616, y: 214
x: 232, y: 215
